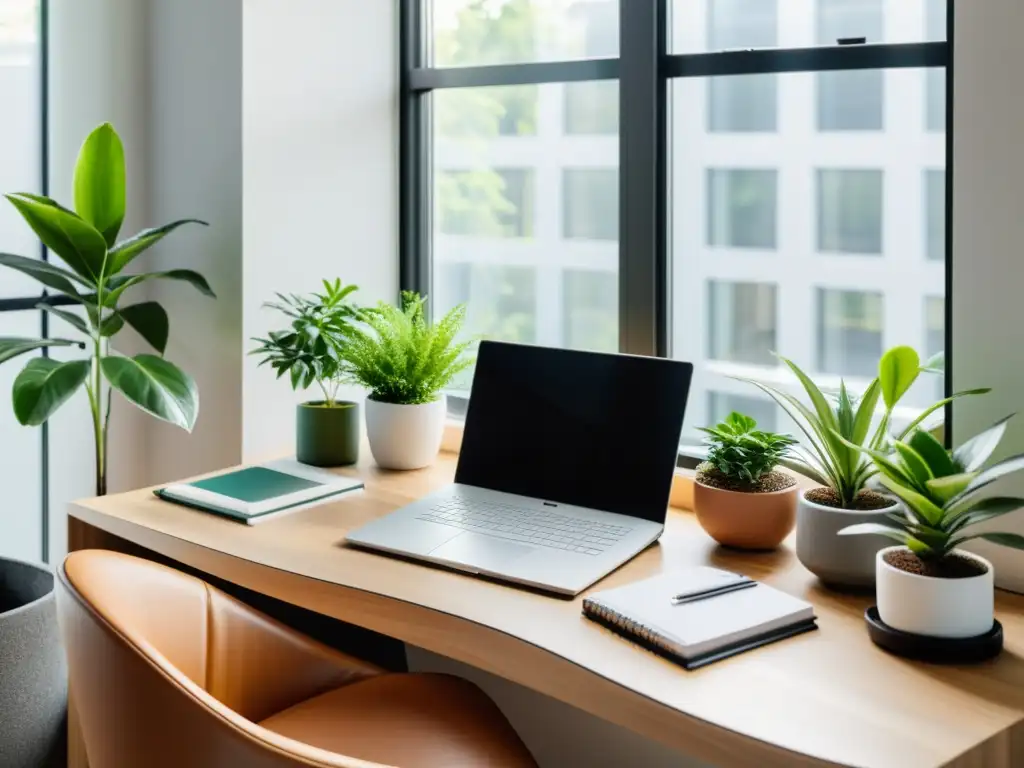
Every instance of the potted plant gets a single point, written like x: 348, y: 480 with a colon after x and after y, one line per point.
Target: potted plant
x: 326, y: 431
x: 843, y: 499
x: 740, y: 498
x: 32, y: 682
x: 405, y: 361
x: 927, y: 585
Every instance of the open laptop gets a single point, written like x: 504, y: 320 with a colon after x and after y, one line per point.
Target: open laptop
x: 564, y: 473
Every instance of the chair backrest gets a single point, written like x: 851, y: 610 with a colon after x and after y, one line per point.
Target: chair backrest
x: 168, y: 671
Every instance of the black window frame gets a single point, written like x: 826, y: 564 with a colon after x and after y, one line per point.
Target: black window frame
x: 644, y: 69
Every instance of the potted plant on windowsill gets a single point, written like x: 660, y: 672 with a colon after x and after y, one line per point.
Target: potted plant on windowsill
x: 829, y: 458
x: 928, y: 586
x: 326, y: 431
x: 405, y: 361
x: 740, y: 498
x: 94, y: 284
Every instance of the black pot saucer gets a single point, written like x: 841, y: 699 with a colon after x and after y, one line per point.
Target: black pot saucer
x: 937, y: 650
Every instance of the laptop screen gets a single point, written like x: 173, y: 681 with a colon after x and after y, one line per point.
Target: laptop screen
x: 583, y: 428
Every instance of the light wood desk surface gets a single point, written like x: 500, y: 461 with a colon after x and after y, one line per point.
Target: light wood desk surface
x: 825, y: 698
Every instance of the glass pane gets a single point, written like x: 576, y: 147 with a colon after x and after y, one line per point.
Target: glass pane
x: 743, y: 104
x: 526, y: 218
x: 479, y: 32
x: 935, y: 214
x: 935, y: 104
x: 851, y: 101
x: 741, y: 322
x: 934, y: 339
x: 698, y: 26
x: 20, y: 78
x: 807, y: 243
x: 760, y: 409
x: 850, y: 204
x: 741, y: 208
x: 849, y: 332
x: 21, y: 469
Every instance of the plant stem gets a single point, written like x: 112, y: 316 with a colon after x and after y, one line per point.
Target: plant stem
x: 98, y: 421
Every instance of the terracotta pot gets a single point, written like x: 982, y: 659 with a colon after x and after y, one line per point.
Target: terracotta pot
x: 745, y: 520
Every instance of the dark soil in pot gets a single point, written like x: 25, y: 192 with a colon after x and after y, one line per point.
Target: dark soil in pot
x: 769, y: 483
x: 953, y: 566
x: 864, y: 502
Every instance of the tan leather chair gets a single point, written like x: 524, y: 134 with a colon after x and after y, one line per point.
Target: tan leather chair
x: 169, y: 671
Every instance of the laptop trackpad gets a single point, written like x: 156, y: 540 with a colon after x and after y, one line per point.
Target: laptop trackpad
x: 484, y: 552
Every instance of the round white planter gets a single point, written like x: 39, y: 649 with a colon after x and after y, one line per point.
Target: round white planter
x: 842, y: 561
x: 923, y: 605
x: 405, y: 436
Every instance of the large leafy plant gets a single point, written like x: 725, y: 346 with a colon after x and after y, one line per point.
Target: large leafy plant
x: 401, y: 357
x: 740, y: 451
x: 837, y: 428
x: 310, y: 349
x: 940, y: 492
x: 95, y: 283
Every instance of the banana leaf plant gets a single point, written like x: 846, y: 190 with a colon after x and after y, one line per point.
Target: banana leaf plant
x: 940, y: 492
x: 836, y: 431
x: 90, y: 294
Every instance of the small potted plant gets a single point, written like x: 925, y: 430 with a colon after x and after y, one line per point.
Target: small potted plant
x: 405, y: 361
x: 927, y: 585
x: 740, y: 498
x: 830, y: 458
x: 310, y: 351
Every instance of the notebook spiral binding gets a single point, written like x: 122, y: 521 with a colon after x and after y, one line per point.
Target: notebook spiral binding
x: 625, y: 625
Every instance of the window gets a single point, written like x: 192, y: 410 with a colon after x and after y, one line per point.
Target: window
x: 591, y: 308
x: 849, y: 332
x: 850, y: 101
x: 742, y: 103
x: 741, y: 208
x: 935, y: 214
x: 934, y: 338
x: 22, y: 534
x: 486, y: 202
x: 680, y: 197
x: 760, y: 409
x: 591, y: 203
x: 742, y: 322
x: 935, y: 83
x: 850, y: 211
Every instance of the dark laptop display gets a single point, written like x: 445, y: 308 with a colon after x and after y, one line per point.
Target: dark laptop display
x: 582, y: 428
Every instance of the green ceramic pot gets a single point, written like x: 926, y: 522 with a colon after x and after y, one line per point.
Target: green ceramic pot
x: 327, y: 437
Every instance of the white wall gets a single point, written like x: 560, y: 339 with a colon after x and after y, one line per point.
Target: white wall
x: 988, y: 238
x: 320, y: 157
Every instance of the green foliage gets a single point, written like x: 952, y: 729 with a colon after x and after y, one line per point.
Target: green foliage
x: 309, y: 350
x: 740, y: 451
x: 401, y: 357
x: 837, y: 430
x: 86, y: 241
x: 940, y: 491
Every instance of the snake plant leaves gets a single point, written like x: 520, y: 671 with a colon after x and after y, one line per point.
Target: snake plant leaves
x: 150, y: 320
x: 77, y: 242
x: 897, y: 371
x: 992, y: 474
x: 12, y: 347
x: 100, y: 182
x: 933, y: 453
x: 156, y: 386
x: 943, y: 489
x: 122, y: 254
x: 44, y: 386
x: 976, y: 451
x: 46, y: 273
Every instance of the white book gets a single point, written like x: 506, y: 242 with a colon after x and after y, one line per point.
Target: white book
x: 254, y: 494
x: 700, y: 630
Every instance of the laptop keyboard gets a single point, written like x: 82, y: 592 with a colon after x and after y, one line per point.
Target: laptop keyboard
x: 531, y: 526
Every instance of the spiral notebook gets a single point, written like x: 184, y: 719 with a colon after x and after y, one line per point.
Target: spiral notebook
x: 701, y: 631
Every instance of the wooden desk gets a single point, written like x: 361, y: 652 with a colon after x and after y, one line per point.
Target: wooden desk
x: 825, y: 698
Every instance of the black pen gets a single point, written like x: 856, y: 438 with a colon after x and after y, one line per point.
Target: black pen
x: 713, y: 592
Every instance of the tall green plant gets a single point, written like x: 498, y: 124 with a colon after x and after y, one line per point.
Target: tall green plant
x: 836, y: 430
x: 401, y: 357
x: 86, y: 240
x: 310, y: 349
x: 940, y: 492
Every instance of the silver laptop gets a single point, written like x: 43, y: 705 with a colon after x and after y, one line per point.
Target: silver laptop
x: 564, y: 472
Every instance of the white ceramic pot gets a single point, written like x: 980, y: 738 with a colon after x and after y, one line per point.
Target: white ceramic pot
x: 840, y: 561
x: 923, y: 605
x: 405, y: 436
